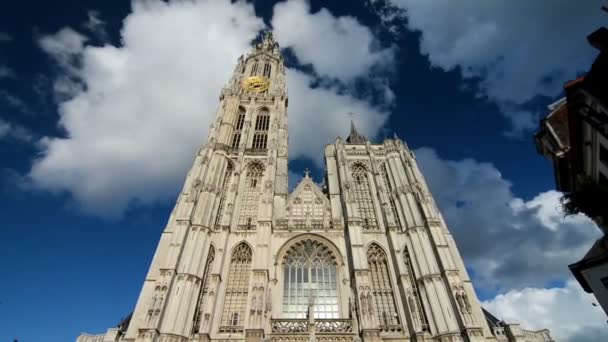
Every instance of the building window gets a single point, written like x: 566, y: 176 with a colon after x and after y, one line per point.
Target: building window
x: 260, y: 136
x: 267, y: 69
x: 310, y: 279
x: 238, y: 128
x: 389, y: 194
x: 604, y: 155
x: 254, y: 69
x: 362, y: 196
x: 202, y: 298
x: 237, y: 287
x: 383, y: 300
x: 225, y: 185
x: 251, y: 197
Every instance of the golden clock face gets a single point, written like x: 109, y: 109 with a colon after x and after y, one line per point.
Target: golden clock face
x: 256, y: 84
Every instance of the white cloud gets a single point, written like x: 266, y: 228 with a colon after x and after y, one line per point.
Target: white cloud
x: 15, y: 132
x: 518, y: 49
x: 568, y: 312
x: 95, y: 25
x: 318, y: 116
x: 135, y: 114
x: 336, y: 46
x: 509, y: 242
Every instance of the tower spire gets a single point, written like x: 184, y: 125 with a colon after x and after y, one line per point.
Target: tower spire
x: 355, y: 137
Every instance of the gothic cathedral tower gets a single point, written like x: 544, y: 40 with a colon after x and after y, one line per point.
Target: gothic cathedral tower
x: 367, y: 257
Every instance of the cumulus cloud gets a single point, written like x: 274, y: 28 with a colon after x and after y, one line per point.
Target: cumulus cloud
x: 516, y: 49
x: 568, y: 312
x: 318, y: 115
x: 314, y: 38
x: 509, y: 242
x: 15, y: 132
x: 134, y: 114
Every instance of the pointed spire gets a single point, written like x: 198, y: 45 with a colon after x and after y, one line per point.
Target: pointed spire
x: 354, y: 137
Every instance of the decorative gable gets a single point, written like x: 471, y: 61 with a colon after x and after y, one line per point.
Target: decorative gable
x: 307, y: 207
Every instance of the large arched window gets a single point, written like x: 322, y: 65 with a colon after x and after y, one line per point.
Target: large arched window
x: 251, y: 197
x: 238, y: 128
x: 260, y: 135
x: 309, y: 278
x: 383, y: 300
x: 225, y: 186
x: 202, y: 297
x: 237, y: 289
x: 392, y: 209
x: 362, y: 196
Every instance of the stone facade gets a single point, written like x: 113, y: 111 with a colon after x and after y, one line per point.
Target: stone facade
x: 365, y: 257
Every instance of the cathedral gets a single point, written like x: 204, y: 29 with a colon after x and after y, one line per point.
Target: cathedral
x: 366, y: 256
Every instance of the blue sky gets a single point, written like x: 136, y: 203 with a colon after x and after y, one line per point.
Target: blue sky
x: 103, y: 104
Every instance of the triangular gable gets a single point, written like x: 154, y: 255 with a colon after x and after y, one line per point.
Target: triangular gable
x: 306, y: 184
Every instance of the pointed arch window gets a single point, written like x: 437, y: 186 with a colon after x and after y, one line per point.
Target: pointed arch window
x: 203, y: 294
x: 237, y: 289
x: 309, y: 278
x: 385, y: 309
x: 389, y: 193
x: 238, y: 128
x: 251, y: 196
x: 267, y: 70
x: 260, y: 135
x: 225, y: 186
x: 362, y: 196
x: 254, y: 68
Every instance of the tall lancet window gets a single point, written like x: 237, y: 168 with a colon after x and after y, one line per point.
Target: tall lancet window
x: 237, y: 289
x: 238, y: 128
x: 362, y: 196
x: 251, y: 197
x: 260, y: 136
x: 225, y: 186
x: 202, y: 297
x: 254, y: 68
x: 267, y: 70
x: 383, y: 300
x: 392, y: 207
x: 309, y: 278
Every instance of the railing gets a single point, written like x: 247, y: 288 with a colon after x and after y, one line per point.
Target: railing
x: 231, y: 329
x: 302, y: 326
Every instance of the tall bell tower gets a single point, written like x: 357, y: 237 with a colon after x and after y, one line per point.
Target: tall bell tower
x: 239, y: 175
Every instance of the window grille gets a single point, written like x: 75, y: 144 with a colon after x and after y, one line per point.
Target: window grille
x: 260, y: 136
x: 382, y: 290
x: 389, y: 193
x: 225, y: 185
x: 237, y: 287
x: 238, y: 128
x: 310, y: 278
x: 251, y: 195
x: 202, y: 298
x: 267, y: 69
x: 362, y: 196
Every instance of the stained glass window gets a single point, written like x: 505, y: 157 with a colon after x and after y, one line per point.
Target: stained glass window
x: 309, y: 278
